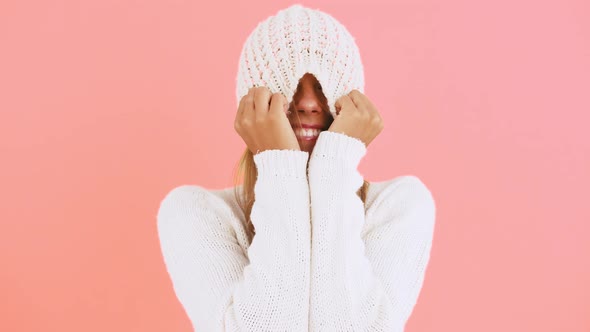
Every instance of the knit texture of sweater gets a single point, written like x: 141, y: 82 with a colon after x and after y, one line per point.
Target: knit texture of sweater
x: 320, y: 260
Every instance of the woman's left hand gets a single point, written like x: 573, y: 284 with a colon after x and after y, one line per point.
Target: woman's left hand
x: 357, y: 117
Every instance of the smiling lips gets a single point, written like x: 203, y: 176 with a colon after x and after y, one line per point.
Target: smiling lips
x: 308, y: 132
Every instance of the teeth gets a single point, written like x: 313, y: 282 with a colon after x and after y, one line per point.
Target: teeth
x: 307, y: 132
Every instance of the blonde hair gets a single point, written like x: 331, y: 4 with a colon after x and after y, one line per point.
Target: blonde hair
x: 246, y: 169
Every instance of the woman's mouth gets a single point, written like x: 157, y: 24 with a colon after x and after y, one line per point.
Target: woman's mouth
x: 307, y: 134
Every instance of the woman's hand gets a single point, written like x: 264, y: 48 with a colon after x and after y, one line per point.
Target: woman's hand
x: 357, y: 117
x: 262, y: 121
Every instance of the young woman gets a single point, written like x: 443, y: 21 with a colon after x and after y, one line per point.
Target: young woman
x: 304, y: 243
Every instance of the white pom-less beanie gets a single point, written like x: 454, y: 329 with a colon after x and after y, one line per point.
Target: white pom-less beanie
x: 295, y: 41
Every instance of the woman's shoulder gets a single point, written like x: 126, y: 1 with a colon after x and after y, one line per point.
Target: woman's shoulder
x: 200, y: 195
x: 405, y: 194
x: 410, y: 183
x: 195, y: 200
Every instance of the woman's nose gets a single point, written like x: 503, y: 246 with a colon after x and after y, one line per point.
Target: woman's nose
x: 309, y: 103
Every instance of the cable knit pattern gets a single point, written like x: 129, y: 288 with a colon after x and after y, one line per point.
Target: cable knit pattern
x: 320, y: 260
x: 295, y: 41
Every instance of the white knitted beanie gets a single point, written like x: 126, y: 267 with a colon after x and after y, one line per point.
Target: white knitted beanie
x: 295, y: 41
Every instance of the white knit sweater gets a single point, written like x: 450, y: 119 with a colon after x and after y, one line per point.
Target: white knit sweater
x: 320, y: 260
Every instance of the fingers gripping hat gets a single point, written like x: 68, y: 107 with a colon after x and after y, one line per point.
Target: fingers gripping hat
x: 295, y: 41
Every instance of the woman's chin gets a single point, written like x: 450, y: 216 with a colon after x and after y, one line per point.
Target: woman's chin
x: 306, y: 145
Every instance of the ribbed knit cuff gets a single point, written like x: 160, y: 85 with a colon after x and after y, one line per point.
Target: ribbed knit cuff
x: 282, y: 163
x: 337, y: 147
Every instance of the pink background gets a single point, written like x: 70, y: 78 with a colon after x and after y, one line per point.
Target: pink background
x: 108, y: 105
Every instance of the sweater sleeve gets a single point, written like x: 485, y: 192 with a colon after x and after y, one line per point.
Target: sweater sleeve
x: 223, y: 288
x: 376, y: 281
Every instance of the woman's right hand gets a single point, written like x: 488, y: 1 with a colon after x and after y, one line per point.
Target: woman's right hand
x: 262, y: 121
